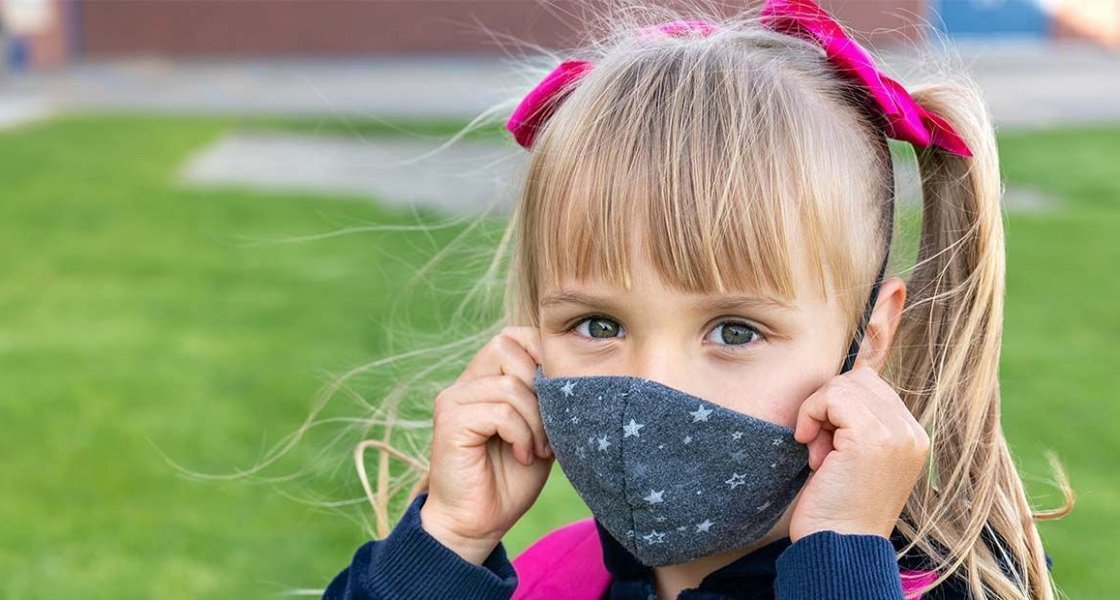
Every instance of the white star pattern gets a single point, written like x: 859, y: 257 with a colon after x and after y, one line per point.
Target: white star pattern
x: 603, y: 443
x: 762, y: 507
x: 705, y: 526
x: 575, y: 419
x: 632, y: 429
x: 736, y: 479
x: 688, y: 439
x: 653, y: 537
x: 654, y: 497
x: 700, y: 414
x: 739, y: 456
x: 777, y: 441
x: 567, y: 388
x: 737, y: 435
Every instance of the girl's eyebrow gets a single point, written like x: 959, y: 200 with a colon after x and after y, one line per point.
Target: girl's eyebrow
x: 714, y: 303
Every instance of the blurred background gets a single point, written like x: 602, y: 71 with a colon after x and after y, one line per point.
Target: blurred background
x: 212, y: 211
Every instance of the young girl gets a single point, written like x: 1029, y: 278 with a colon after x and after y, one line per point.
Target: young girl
x: 700, y: 329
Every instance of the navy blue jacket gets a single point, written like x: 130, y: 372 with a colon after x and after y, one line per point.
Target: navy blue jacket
x: 411, y: 564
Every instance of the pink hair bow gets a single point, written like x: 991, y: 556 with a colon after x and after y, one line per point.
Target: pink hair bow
x: 904, y: 119
x: 539, y: 104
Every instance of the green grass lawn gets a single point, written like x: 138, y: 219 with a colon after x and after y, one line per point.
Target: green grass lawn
x: 137, y: 319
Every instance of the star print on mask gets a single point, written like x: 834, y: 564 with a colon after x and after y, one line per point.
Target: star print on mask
x: 632, y: 429
x: 700, y: 414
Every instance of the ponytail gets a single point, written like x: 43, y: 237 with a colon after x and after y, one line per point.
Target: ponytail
x: 971, y: 515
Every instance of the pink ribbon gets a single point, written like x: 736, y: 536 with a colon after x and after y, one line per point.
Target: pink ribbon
x: 903, y: 118
x: 535, y: 109
x: 539, y: 104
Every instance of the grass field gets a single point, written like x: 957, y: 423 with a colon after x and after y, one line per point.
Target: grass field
x: 137, y: 320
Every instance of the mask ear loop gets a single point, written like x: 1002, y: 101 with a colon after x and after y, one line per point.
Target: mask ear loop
x: 853, y: 347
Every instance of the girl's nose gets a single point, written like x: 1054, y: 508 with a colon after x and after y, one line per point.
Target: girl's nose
x: 661, y: 365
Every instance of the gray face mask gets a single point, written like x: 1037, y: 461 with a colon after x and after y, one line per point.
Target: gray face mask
x: 670, y: 475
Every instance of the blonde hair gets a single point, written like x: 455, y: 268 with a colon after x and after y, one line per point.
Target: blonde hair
x: 708, y: 151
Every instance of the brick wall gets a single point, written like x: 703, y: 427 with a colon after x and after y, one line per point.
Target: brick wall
x: 113, y: 28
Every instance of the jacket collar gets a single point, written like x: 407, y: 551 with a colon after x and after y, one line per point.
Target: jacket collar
x: 750, y: 576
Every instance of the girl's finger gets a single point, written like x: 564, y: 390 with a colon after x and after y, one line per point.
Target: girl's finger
x: 529, y: 338
x: 920, y: 436
x: 485, y: 419
x: 884, y: 403
x: 837, y: 403
x: 515, y: 351
x: 889, y: 408
x: 515, y: 360
x: 819, y: 449
x: 508, y: 389
x: 523, y: 397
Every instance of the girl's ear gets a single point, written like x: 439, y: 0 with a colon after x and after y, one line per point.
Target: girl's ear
x: 885, y: 318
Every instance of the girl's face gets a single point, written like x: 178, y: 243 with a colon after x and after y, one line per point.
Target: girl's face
x: 755, y: 355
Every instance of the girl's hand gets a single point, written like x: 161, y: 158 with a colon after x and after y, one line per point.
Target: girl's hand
x: 866, y: 451
x: 487, y: 429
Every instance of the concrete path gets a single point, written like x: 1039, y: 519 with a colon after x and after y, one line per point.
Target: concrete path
x: 459, y: 179
x: 18, y: 110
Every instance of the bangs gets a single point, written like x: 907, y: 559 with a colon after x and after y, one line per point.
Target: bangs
x: 699, y: 238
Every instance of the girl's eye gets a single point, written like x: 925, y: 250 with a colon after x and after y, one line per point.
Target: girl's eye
x: 599, y: 327
x: 733, y: 334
